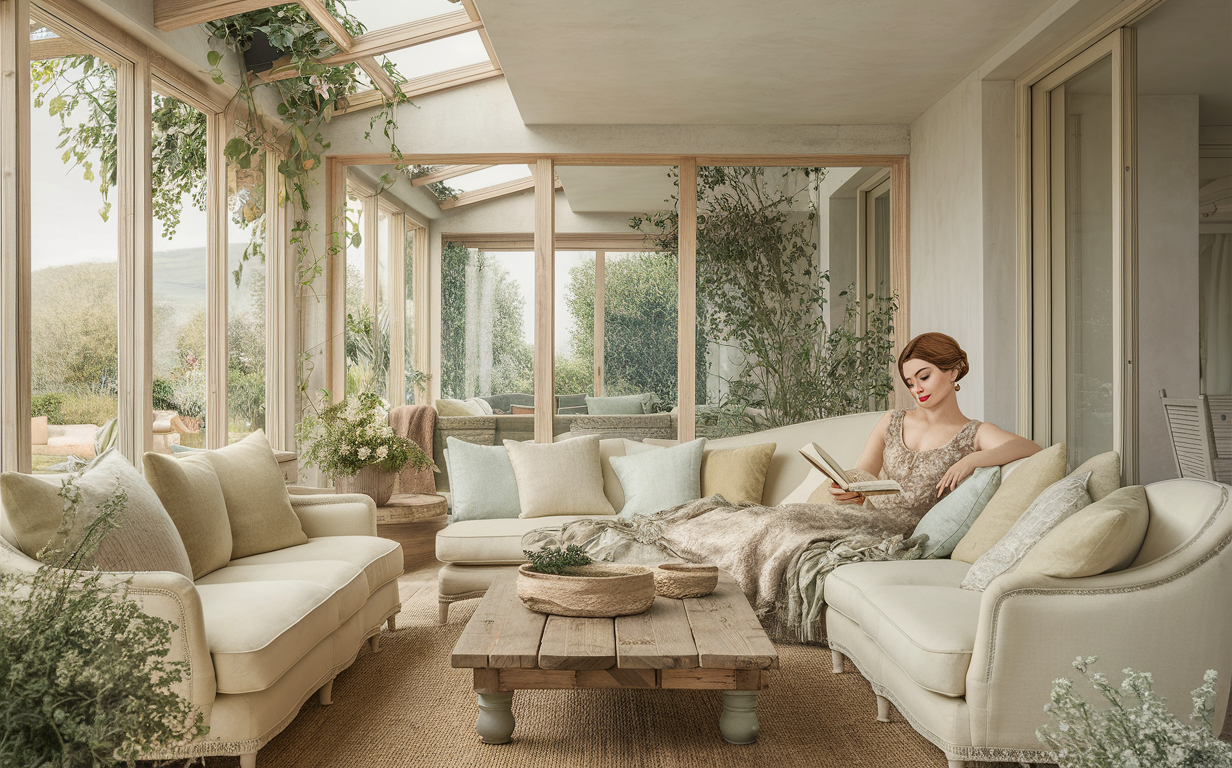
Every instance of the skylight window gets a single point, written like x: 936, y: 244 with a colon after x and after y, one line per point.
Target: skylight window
x: 497, y: 174
x: 379, y: 14
x: 439, y: 55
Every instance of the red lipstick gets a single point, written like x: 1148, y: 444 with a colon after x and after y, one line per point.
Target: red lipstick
x: 924, y: 397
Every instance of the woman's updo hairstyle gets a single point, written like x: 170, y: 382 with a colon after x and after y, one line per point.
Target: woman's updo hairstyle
x: 936, y: 348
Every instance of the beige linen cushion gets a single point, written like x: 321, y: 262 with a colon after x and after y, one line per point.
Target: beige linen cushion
x: 1105, y: 536
x: 739, y: 474
x: 559, y: 478
x: 1016, y: 493
x: 1105, y: 472
x: 258, y: 505
x: 145, y: 541
x: 457, y: 408
x: 190, y: 491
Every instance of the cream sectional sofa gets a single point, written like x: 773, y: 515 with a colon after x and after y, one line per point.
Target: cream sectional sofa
x: 972, y: 671
x: 265, y: 632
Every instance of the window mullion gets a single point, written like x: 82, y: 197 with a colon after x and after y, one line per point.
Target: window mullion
x: 216, y: 249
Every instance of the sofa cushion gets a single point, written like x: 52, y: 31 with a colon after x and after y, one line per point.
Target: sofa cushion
x: 1105, y: 472
x: 481, y: 479
x: 1105, y: 536
x: 620, y: 405
x: 257, y: 630
x: 950, y: 519
x: 380, y: 559
x: 192, y: 494
x: 346, y: 580
x: 660, y: 478
x: 737, y: 474
x: 1019, y: 487
x: 559, y: 478
x: 146, y: 539
x: 494, y: 542
x: 916, y: 613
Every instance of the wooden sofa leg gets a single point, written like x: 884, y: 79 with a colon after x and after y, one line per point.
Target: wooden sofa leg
x: 391, y: 623
x: 249, y: 760
x: 375, y: 642
x: 883, y: 709
x: 957, y: 763
x: 442, y: 612
x: 325, y: 694
x: 837, y: 659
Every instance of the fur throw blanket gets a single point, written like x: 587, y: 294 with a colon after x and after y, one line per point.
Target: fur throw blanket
x: 779, y: 555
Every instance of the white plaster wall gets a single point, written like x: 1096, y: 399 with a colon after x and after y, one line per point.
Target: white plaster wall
x: 1000, y: 262
x: 1167, y: 270
x: 947, y: 237
x: 836, y: 247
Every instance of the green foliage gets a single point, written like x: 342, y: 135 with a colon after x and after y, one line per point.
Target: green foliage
x: 1135, y: 729
x: 439, y: 188
x: 84, y: 674
x: 453, y: 319
x: 164, y: 394
x: 574, y: 375
x: 759, y: 292
x: 348, y: 436
x: 555, y: 560
x: 74, y: 344
x: 48, y: 404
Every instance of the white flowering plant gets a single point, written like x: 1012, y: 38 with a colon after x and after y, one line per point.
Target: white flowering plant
x: 1135, y: 730
x: 348, y: 436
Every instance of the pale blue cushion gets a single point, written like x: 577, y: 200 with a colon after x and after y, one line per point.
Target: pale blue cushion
x: 481, y: 481
x: 950, y: 519
x: 660, y: 479
x: 619, y: 406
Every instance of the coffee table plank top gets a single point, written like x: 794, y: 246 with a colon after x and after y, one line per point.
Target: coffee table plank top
x: 503, y: 633
x: 570, y: 642
x: 660, y: 638
x: 727, y: 632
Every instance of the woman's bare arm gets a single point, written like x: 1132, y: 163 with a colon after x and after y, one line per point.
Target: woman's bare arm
x: 994, y: 447
x: 870, y: 460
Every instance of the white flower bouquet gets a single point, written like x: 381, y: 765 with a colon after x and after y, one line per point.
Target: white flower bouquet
x: 1136, y: 730
x: 348, y: 436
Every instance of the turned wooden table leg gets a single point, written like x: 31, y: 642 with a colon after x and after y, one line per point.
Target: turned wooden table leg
x: 738, y: 723
x: 495, y: 723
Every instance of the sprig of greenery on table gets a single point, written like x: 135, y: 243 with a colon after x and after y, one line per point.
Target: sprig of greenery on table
x: 348, y: 436
x: 555, y: 561
x: 1135, y: 730
x: 84, y: 674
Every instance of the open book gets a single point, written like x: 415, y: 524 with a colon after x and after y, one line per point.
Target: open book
x: 831, y: 469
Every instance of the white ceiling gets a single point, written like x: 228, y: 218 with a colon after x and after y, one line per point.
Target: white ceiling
x: 594, y: 189
x: 739, y: 62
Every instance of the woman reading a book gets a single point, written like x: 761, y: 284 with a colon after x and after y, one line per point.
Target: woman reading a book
x: 933, y: 448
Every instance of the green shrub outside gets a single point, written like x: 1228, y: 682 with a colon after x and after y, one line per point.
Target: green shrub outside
x: 49, y: 405
x: 74, y: 407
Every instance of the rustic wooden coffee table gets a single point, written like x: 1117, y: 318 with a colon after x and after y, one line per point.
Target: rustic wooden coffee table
x: 707, y: 643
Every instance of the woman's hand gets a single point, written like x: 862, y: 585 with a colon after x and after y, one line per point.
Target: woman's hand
x: 957, y: 472
x: 845, y: 497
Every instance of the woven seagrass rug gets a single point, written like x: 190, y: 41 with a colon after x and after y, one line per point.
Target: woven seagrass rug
x: 405, y: 707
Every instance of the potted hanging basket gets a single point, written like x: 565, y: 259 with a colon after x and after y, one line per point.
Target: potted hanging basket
x: 370, y: 481
x: 261, y: 54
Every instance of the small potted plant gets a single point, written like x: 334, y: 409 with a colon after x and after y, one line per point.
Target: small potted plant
x: 353, y: 443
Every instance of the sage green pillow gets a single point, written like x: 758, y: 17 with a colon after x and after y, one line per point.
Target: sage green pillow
x: 192, y: 495
x: 950, y: 519
x: 660, y: 479
x: 482, y: 481
x: 619, y: 406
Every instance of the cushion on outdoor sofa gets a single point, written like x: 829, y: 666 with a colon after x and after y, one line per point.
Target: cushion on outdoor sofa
x: 380, y: 559
x: 494, y: 542
x: 916, y: 613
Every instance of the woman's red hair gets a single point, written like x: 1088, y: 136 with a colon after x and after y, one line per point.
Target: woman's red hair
x: 936, y: 348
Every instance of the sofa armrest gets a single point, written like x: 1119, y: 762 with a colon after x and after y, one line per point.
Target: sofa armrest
x: 169, y: 596
x: 336, y: 514
x: 1172, y: 619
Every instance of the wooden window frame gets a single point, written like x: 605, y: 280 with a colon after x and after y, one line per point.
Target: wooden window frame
x: 546, y: 241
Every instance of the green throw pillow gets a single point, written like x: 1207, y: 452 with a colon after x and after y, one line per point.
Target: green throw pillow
x: 619, y: 406
x: 660, y: 479
x: 482, y: 481
x: 950, y: 519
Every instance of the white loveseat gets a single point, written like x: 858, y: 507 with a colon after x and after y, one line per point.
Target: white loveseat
x: 265, y: 632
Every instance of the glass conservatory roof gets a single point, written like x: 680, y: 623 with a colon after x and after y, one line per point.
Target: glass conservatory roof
x: 439, y: 55
x: 379, y: 14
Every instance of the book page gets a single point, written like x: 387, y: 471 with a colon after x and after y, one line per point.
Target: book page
x: 826, y: 465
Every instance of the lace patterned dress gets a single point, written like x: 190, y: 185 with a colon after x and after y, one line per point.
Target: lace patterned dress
x: 918, y: 472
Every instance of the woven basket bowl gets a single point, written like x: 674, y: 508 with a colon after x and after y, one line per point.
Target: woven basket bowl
x: 681, y: 580
x: 598, y: 590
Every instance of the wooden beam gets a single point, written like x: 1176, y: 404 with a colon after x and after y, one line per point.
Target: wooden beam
x: 177, y: 14
x: 15, y: 237
x: 565, y: 241
x: 448, y: 172
x: 379, y: 77
x: 317, y: 10
x: 487, y: 46
x: 402, y: 36
x: 218, y: 276
x: 492, y: 192
x: 471, y: 10
x: 57, y: 48
x: 686, y: 318
x: 545, y: 298
x: 450, y: 78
